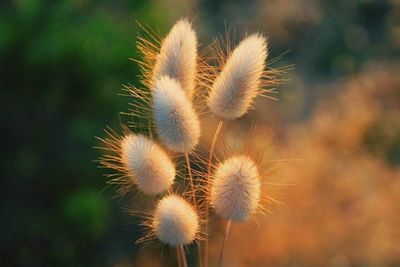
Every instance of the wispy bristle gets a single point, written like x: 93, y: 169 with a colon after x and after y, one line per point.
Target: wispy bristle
x: 178, y: 56
x: 175, y: 222
x: 235, y: 188
x: 239, y: 82
x: 177, y: 123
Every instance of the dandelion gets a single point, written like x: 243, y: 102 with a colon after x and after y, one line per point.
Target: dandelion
x: 176, y: 121
x: 177, y: 57
x: 148, y: 165
x: 239, y: 82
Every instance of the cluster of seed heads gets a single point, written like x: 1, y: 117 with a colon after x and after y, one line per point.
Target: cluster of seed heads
x: 173, y: 75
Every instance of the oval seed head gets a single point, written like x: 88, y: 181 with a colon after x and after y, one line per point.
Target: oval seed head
x: 175, y: 221
x: 178, y: 56
x: 235, y: 188
x: 238, y: 84
x: 176, y: 121
x: 147, y: 163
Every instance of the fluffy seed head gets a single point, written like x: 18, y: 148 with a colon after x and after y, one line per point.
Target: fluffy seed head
x: 176, y: 121
x: 235, y: 188
x: 238, y: 84
x: 178, y: 56
x: 175, y: 222
x: 148, y: 164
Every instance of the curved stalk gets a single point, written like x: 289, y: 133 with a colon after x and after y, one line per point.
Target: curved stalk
x: 184, y: 260
x: 192, y: 188
x: 189, y: 168
x: 224, y: 241
x: 210, y: 157
x: 178, y: 257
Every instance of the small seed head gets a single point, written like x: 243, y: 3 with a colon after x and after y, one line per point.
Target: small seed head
x: 176, y: 121
x: 147, y: 163
x: 235, y: 188
x: 178, y: 56
x: 237, y: 85
x: 175, y: 221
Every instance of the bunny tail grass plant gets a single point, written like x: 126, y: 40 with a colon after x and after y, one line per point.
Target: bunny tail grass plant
x: 164, y: 123
x: 139, y: 162
x: 178, y: 57
x: 169, y: 65
x: 239, y: 82
x: 176, y: 121
x: 235, y: 192
x: 175, y: 221
x: 148, y: 164
x: 235, y: 188
x: 169, y: 69
x: 242, y: 76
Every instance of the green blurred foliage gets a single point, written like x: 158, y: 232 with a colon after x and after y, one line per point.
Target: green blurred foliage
x: 62, y: 64
x: 86, y: 211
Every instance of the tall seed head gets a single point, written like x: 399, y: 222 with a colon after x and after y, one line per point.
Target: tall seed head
x: 175, y: 221
x: 176, y: 121
x: 239, y: 82
x: 235, y: 188
x: 147, y: 163
x: 178, y: 56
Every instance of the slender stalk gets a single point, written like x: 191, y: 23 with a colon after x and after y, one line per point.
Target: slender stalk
x: 184, y: 260
x: 192, y: 188
x: 191, y: 179
x: 210, y: 157
x: 178, y: 257
x: 224, y: 241
x: 199, y: 255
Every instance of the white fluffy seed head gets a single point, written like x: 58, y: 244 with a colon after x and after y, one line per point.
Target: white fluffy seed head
x: 175, y: 221
x: 176, y: 121
x: 235, y: 188
x: 147, y: 163
x: 238, y: 84
x: 178, y: 56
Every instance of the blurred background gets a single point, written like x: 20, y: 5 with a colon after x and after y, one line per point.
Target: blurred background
x: 62, y: 66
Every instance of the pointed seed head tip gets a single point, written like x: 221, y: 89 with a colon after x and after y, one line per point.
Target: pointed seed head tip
x: 178, y: 56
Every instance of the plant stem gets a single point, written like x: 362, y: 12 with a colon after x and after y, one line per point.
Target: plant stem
x: 191, y: 180
x: 210, y: 157
x: 224, y: 241
x: 184, y: 261
x: 192, y: 188
x: 178, y: 257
